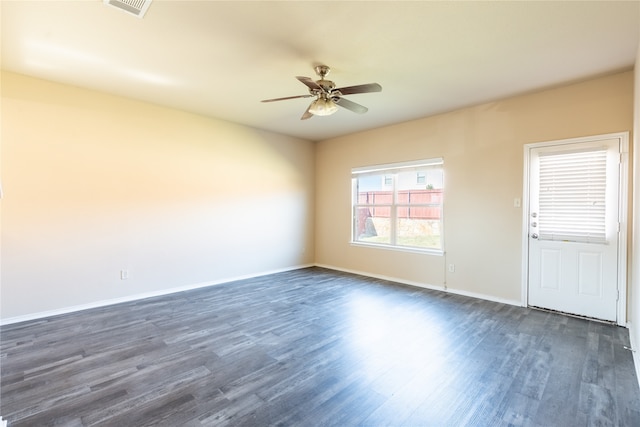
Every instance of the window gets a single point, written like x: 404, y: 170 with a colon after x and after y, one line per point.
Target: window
x: 399, y: 205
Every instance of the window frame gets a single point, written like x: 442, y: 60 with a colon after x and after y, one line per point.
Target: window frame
x: 394, y: 169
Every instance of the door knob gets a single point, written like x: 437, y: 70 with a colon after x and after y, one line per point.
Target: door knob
x: 534, y: 235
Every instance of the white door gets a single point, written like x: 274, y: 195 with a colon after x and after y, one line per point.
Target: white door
x: 573, y: 227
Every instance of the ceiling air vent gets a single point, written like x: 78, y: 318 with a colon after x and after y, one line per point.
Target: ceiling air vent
x: 134, y: 7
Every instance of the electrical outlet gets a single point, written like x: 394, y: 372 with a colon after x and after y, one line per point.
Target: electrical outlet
x: 124, y: 274
x: 452, y: 268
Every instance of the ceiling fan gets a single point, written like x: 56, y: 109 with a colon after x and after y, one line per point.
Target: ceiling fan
x: 328, y: 97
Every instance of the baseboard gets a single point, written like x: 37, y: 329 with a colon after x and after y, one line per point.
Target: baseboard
x: 136, y: 297
x: 634, y: 349
x: 484, y: 297
x: 425, y: 285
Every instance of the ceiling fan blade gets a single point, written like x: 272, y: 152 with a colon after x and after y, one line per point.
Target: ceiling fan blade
x: 307, y: 114
x: 287, y: 97
x: 370, y: 87
x: 310, y: 83
x: 350, y: 105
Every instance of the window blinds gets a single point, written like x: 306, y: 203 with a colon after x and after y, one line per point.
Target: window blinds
x: 572, y: 196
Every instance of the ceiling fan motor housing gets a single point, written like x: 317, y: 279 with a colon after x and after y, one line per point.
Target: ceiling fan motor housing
x: 326, y: 85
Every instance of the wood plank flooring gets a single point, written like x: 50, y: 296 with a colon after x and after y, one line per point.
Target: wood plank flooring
x: 315, y: 347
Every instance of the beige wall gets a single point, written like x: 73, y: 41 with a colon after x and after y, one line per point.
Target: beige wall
x: 483, y: 153
x: 94, y: 184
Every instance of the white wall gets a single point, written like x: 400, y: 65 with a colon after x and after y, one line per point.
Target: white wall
x: 94, y: 184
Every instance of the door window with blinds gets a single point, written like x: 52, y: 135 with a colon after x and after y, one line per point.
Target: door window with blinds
x: 572, y: 196
x: 399, y: 205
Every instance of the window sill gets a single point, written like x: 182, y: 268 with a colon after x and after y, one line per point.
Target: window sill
x: 436, y: 252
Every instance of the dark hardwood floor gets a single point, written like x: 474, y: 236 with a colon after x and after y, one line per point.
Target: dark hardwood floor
x: 315, y: 347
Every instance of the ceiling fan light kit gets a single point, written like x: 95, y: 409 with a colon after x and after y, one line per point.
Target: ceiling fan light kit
x: 328, y: 98
x: 323, y: 107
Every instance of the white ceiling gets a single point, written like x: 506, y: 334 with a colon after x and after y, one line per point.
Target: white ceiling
x: 220, y: 58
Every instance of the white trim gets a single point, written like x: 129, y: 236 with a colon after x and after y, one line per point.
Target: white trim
x: 483, y: 296
x: 399, y: 165
x: 623, y: 198
x: 524, y: 277
x: 415, y: 250
x: 424, y: 285
x: 623, y: 215
x: 136, y: 297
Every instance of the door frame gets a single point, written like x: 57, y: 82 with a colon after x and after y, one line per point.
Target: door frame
x: 623, y: 203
